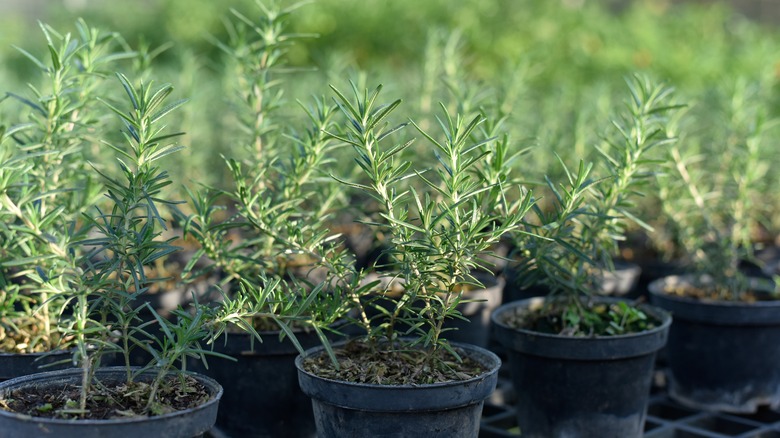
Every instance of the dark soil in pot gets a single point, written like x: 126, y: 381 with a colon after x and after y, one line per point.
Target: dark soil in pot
x: 723, y: 355
x: 580, y: 386
x: 449, y: 409
x: 192, y: 410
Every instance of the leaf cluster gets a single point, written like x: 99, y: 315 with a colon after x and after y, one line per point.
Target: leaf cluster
x: 435, y: 219
x: 256, y: 51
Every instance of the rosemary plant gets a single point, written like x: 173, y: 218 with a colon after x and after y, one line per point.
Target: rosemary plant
x: 256, y: 51
x: 437, y: 230
x: 716, y: 212
x: 100, y: 264
x: 271, y: 228
x: 46, y: 181
x: 573, y: 242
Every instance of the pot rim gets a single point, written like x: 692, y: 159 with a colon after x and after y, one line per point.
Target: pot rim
x: 67, y: 374
x: 714, y: 312
x: 656, y: 288
x: 664, y: 318
x: 489, y: 355
x: 593, y: 348
x: 371, y: 397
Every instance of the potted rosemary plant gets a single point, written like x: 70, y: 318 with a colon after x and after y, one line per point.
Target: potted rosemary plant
x: 582, y: 363
x: 100, y: 283
x: 45, y: 185
x: 722, y: 350
x: 270, y: 232
x: 412, y: 381
x: 277, y: 242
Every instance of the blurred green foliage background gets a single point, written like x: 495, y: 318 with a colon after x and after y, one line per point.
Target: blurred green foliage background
x: 554, y: 66
x: 568, y: 40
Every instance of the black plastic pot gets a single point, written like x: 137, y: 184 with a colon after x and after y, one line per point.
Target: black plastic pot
x: 181, y: 424
x: 452, y: 410
x: 19, y: 364
x: 580, y: 387
x: 262, y: 397
x: 722, y: 355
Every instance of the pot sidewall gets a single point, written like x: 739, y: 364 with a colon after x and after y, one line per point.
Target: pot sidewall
x: 444, y: 409
x: 569, y: 386
x: 722, y: 355
x: 14, y: 365
x: 261, y: 392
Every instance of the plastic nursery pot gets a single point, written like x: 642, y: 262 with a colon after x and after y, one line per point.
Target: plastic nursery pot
x: 181, y: 424
x: 452, y: 409
x: 21, y: 364
x: 262, y: 397
x: 576, y: 386
x: 722, y: 355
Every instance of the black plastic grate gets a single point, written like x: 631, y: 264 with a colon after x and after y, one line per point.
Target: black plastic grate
x: 665, y: 419
x: 764, y: 424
